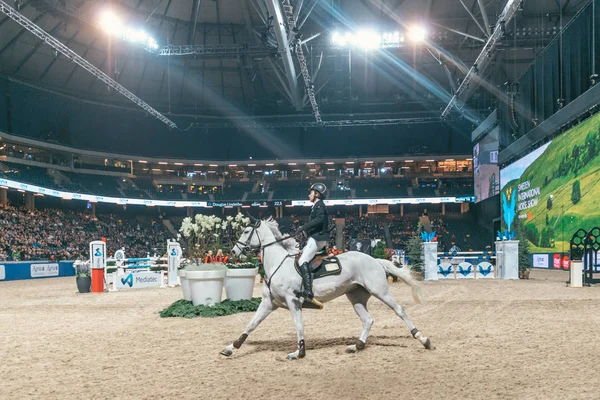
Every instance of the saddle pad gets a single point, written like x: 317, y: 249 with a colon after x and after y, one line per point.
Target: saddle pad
x: 329, y: 266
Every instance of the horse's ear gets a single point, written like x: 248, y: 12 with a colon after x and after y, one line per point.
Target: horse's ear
x: 270, y: 219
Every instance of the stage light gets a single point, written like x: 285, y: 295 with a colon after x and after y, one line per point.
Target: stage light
x: 110, y: 23
x: 417, y: 33
x: 367, y: 39
x: 114, y: 26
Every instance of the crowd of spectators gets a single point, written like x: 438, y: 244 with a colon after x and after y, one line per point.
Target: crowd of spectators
x: 365, y: 227
x: 51, y: 234
x: 402, y: 228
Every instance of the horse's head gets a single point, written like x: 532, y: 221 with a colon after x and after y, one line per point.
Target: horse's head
x: 249, y: 239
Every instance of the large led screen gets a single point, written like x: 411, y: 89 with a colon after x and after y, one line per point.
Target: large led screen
x: 553, y: 191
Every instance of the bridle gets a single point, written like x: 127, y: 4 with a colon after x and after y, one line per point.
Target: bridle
x: 244, y: 246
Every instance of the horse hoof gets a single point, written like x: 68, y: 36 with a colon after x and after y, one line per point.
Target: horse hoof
x: 351, y: 349
x: 428, y: 345
x: 227, y: 351
x: 293, y: 356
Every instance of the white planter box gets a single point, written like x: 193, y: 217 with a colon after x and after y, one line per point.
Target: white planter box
x: 239, y: 283
x: 206, y: 286
x: 185, y: 285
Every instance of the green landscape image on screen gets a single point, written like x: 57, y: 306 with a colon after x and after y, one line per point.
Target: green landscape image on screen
x: 557, y: 188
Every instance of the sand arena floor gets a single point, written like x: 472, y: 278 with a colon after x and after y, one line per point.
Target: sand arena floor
x: 531, y: 339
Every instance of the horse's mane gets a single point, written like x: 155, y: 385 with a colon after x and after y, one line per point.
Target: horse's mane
x: 289, y: 244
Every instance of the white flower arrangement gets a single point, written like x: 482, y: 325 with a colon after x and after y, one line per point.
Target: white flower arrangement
x: 208, y: 232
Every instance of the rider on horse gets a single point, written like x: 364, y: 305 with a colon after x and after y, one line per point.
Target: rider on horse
x: 317, y: 230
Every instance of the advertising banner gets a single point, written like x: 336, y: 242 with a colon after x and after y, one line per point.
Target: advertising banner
x: 13, y: 271
x: 138, y: 280
x: 551, y: 192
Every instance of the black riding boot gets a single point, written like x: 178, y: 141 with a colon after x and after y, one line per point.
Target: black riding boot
x: 306, y: 281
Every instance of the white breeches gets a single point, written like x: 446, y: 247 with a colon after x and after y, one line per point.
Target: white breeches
x: 309, y: 251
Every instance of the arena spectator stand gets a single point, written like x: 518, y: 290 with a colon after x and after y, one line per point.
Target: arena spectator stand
x: 26, y: 173
x: 234, y: 190
x: 379, y: 187
x: 52, y: 234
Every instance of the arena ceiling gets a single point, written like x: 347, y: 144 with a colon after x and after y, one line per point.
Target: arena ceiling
x: 239, y: 63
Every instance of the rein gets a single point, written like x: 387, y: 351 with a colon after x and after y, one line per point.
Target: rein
x: 262, y: 249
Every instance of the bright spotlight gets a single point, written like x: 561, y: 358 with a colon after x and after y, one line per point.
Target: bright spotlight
x: 110, y: 23
x: 368, y: 39
x: 417, y: 33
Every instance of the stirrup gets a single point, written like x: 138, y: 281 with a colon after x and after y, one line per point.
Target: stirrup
x: 309, y: 303
x: 312, y: 303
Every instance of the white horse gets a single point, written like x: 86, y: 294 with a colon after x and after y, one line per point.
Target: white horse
x: 361, y: 277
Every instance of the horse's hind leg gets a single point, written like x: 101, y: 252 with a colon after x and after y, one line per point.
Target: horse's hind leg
x: 359, y: 297
x: 391, y: 303
x: 264, y: 309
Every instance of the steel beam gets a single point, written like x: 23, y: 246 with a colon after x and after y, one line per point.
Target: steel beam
x: 162, y: 81
x: 156, y: 8
x: 486, y: 21
x: 473, y: 17
x: 298, y: 8
x: 195, y: 12
x: 450, y: 78
x: 459, y: 32
x: 32, y: 52
x: 83, y: 56
x: 286, y: 55
x: 18, y: 35
x: 310, y: 9
x: 158, y: 30
x: 219, y: 41
x: 484, y: 57
x: 74, y: 57
x: 281, y: 79
x: 56, y: 58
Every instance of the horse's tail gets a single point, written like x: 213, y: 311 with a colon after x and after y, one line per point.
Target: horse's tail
x: 405, y: 276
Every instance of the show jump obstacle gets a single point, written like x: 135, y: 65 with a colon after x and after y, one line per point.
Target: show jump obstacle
x: 133, y: 273
x: 501, y: 264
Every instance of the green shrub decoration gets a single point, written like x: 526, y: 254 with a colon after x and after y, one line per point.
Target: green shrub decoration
x: 185, y: 309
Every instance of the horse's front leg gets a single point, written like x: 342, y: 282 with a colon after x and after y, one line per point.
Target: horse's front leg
x: 295, y: 308
x: 264, y: 309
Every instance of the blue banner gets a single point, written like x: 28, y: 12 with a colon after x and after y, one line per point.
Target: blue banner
x: 14, y: 271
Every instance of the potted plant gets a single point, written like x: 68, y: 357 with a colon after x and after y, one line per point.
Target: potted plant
x: 204, y: 233
x: 239, y: 281
x: 83, y: 277
x: 185, y: 284
x: 524, y: 261
x: 414, y: 252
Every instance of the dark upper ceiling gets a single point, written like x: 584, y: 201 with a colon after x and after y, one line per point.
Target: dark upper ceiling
x: 403, y: 80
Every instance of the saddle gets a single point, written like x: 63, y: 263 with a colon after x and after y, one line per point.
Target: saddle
x: 326, y: 266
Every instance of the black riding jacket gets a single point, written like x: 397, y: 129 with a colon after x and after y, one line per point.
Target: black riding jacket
x: 318, y: 223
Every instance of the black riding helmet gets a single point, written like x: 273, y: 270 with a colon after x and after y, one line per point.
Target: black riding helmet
x: 320, y: 188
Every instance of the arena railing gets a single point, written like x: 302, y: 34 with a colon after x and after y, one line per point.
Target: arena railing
x: 25, y: 187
